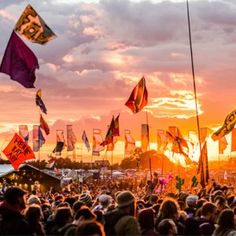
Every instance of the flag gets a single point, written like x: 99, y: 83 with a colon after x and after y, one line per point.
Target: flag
x: 71, y: 139
x: 116, y: 128
x: 24, y: 133
x: 31, y: 26
x: 129, y: 143
x: 222, y: 145
x: 38, y: 139
x: 44, y: 125
x: 60, y: 142
x: 139, y: 97
x: 85, y: 140
x: 145, y: 137
x: 227, y: 127
x: 161, y: 140
x: 97, y: 140
x: 233, y: 140
x: 109, y: 135
x: 39, y: 102
x: 19, y: 62
x: 18, y: 151
x: 203, y: 166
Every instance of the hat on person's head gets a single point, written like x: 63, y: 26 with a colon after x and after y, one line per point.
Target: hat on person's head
x: 104, y: 199
x: 85, y: 198
x: 33, y: 199
x: 13, y: 193
x: 125, y: 198
x: 192, y: 200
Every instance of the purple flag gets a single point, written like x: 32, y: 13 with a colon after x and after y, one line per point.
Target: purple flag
x: 19, y: 62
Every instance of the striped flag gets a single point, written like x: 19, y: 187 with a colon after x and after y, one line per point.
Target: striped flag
x: 32, y: 27
x: 139, y: 97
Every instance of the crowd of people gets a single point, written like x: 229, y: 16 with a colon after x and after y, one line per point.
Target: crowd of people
x: 119, y: 209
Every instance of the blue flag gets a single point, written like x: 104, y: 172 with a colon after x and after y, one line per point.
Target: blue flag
x: 19, y: 62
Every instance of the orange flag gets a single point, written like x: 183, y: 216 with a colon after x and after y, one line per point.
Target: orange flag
x: 233, y: 144
x: 18, y: 151
x: 222, y: 145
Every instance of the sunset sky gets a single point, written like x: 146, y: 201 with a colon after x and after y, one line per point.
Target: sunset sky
x: 102, y: 50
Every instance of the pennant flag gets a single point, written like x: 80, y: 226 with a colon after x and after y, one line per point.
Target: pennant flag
x: 19, y: 62
x: 24, y: 133
x: 18, y: 151
x: 139, y: 97
x: 145, y: 137
x: 38, y: 139
x: 97, y: 140
x: 161, y: 141
x: 227, y: 127
x: 233, y: 140
x: 203, y: 166
x: 71, y: 139
x: 85, y: 140
x: 222, y: 145
x: 44, y: 125
x: 129, y: 143
x: 31, y: 26
x: 60, y: 142
x: 39, y: 102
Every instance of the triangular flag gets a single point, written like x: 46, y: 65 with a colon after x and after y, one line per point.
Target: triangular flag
x: 32, y: 27
x: 19, y: 62
x: 139, y: 97
x: 39, y: 102
x: 18, y: 151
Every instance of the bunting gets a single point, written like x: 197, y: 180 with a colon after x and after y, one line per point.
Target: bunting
x: 139, y: 97
x: 85, y: 140
x: 19, y: 62
x: 39, y: 102
x: 18, y: 151
x: 32, y: 27
x: 227, y: 127
x: 203, y: 166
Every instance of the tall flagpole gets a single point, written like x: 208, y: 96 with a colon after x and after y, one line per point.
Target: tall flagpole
x: 149, y: 158
x: 193, y: 75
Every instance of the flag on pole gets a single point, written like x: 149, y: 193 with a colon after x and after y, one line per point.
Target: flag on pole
x: 227, y: 127
x: 204, y: 132
x: 203, y: 166
x: 24, y: 133
x: 38, y: 139
x: 97, y: 140
x: 222, y: 145
x: 32, y: 27
x: 60, y: 142
x: 139, y: 97
x: 19, y: 62
x: 44, y: 125
x: 145, y: 137
x: 18, y: 151
x: 233, y: 140
x: 85, y: 140
x: 39, y: 102
x: 116, y: 129
x: 109, y: 135
x: 71, y: 139
x: 129, y: 143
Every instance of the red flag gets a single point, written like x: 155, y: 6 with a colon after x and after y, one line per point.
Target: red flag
x: 139, y: 97
x: 109, y: 135
x: 203, y: 166
x: 222, y: 145
x: 19, y: 62
x: 44, y: 125
x: 18, y: 151
x: 233, y: 140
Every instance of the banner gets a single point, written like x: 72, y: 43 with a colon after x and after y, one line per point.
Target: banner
x: 60, y: 142
x: 31, y: 26
x: 71, y: 139
x: 129, y: 143
x: 18, y: 151
x: 97, y: 140
x: 145, y: 137
x: 24, y: 133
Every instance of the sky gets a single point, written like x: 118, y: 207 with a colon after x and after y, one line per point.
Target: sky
x: 102, y: 50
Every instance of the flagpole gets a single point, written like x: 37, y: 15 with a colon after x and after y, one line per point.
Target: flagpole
x: 149, y: 158
x: 193, y: 74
